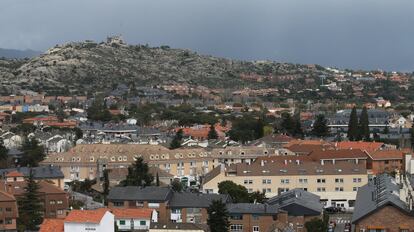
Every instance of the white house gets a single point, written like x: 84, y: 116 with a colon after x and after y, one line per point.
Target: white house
x: 133, y: 219
x: 101, y: 220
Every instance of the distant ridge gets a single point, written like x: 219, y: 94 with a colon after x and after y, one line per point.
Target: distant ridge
x: 18, y: 54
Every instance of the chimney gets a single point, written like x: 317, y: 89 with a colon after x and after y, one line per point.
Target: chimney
x: 286, y: 162
x: 262, y: 163
x: 322, y: 162
x: 297, y: 162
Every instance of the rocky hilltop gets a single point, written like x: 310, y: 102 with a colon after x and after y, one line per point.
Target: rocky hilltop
x: 83, y: 66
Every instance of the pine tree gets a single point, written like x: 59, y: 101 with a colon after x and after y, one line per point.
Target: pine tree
x: 320, y: 126
x: 176, y: 142
x: 138, y: 174
x: 33, y: 152
x: 157, y: 179
x: 353, y: 125
x: 106, y: 182
x: 212, y: 134
x: 218, y: 217
x: 3, y: 154
x: 30, y: 206
x: 364, y: 133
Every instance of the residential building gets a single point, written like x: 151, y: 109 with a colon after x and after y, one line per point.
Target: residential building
x: 89, y: 160
x: 55, y: 201
x: 132, y: 219
x: 177, y: 227
x: 300, y: 205
x: 101, y: 220
x: 51, y: 174
x: 8, y: 212
x: 386, y: 161
x: 335, y: 183
x: 170, y: 206
x: 384, y: 204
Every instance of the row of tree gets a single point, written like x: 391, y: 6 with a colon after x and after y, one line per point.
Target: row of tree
x: 358, y: 129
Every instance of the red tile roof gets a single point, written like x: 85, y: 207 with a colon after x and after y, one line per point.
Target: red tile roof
x: 338, y: 154
x: 14, y: 174
x: 55, y: 225
x: 365, y: 146
x: 132, y: 213
x: 86, y: 216
x: 387, y: 154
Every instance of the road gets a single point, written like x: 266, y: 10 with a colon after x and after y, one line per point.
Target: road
x: 340, y: 219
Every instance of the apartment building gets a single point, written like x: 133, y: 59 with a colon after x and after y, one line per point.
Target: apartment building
x: 89, y: 160
x: 8, y: 212
x: 336, y: 183
x: 386, y: 161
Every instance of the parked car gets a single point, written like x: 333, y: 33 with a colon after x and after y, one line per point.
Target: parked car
x: 332, y: 209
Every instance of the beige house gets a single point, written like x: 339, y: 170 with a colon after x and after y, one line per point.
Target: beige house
x: 89, y: 160
x: 336, y: 183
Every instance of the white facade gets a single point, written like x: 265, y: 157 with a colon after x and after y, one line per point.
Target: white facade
x: 133, y: 223
x: 105, y: 225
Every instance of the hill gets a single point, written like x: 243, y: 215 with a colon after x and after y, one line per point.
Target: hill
x: 18, y: 54
x: 89, y: 66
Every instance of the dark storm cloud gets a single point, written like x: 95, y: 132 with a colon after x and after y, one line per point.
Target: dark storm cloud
x: 368, y: 34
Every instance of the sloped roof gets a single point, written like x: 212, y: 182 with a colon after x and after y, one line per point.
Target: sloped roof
x: 50, y: 224
x: 195, y: 200
x: 150, y: 193
x: 364, y: 146
x: 251, y: 208
x: 298, y: 202
x: 376, y: 194
x: 132, y: 213
x: 338, y: 154
x: 86, y: 216
x: 4, y: 196
x: 386, y: 154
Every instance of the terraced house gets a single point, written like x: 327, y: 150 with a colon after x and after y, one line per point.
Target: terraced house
x: 89, y: 161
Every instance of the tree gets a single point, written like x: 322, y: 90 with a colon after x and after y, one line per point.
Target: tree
x: 291, y: 125
x: 98, y: 110
x: 246, y: 129
x: 30, y: 207
x: 157, y: 180
x: 412, y: 136
x: 238, y: 193
x: 212, y: 134
x: 138, y: 174
x: 106, y: 182
x: 3, y: 154
x: 177, y: 140
x: 364, y: 133
x: 176, y: 185
x: 320, y: 127
x: 316, y: 224
x: 218, y: 217
x: 353, y: 125
x: 33, y: 152
x: 257, y: 197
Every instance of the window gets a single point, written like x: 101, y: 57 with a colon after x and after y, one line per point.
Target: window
x: 255, y: 228
x: 192, y: 163
x: 1, y: 221
x: 305, y: 189
x: 9, y: 221
x: 248, y: 181
x: 153, y: 205
x: 122, y: 222
x: 303, y: 181
x: 236, y: 217
x: 8, y: 209
x: 266, y: 181
x: 255, y: 216
x: 142, y: 223
x: 236, y: 227
x: 321, y: 181
x: 249, y: 190
x: 321, y: 189
x: 284, y: 181
x: 59, y: 212
x: 139, y: 203
x: 118, y: 203
x: 355, y: 189
x: 357, y: 180
x: 267, y: 190
x: 52, y: 202
x: 59, y: 202
x: 339, y: 189
x: 339, y: 180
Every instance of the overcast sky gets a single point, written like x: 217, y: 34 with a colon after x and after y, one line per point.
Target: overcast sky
x: 368, y: 34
